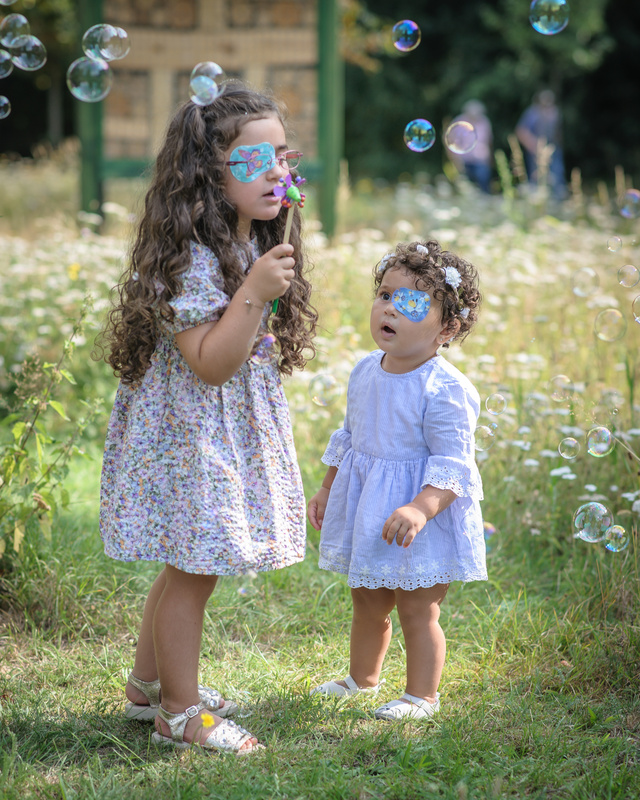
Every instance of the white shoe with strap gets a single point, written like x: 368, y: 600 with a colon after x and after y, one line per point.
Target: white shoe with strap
x: 337, y: 690
x: 409, y: 706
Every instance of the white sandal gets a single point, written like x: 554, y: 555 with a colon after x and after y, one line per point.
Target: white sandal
x: 227, y: 736
x: 408, y: 706
x: 151, y: 690
x: 333, y: 688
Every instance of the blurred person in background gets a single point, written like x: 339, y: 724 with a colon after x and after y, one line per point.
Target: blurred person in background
x: 477, y: 164
x: 539, y: 131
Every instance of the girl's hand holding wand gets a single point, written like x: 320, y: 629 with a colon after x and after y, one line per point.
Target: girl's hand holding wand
x: 290, y: 193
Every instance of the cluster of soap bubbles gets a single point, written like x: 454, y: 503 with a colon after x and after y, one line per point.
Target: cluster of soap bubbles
x: 206, y: 82
x: 18, y: 48
x: 549, y: 16
x: 90, y: 78
x: 419, y: 134
x: 610, y: 324
x: 600, y: 441
x: 485, y: 435
x: 593, y: 522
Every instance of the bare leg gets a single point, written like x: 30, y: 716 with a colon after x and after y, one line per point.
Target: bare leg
x: 370, y: 633
x: 145, y: 667
x: 177, y: 635
x: 419, y: 612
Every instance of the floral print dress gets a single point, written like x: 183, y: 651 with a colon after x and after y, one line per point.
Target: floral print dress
x: 202, y: 477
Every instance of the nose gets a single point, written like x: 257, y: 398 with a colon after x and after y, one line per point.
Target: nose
x: 276, y: 170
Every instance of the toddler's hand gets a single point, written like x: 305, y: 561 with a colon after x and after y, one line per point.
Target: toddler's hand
x: 316, y: 507
x: 404, y: 525
x: 271, y: 274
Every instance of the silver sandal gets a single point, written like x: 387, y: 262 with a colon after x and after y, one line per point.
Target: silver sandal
x: 151, y: 690
x: 227, y: 736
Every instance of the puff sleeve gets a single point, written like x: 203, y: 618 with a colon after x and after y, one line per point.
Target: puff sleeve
x: 449, y: 424
x: 202, y: 298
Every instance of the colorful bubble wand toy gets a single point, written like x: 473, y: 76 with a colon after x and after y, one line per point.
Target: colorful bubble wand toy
x: 291, y: 195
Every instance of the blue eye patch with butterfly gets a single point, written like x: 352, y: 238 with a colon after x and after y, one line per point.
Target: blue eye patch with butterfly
x: 248, y: 162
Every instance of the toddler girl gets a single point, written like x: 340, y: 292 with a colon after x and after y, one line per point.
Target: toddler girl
x: 200, y: 470
x: 399, y: 507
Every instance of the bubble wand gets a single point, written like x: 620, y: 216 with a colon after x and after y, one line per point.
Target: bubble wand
x: 291, y: 195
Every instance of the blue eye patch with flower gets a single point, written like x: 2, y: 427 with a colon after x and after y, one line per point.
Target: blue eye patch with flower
x: 413, y: 303
x: 248, y: 162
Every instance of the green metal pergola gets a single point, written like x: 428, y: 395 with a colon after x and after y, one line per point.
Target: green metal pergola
x: 330, y: 121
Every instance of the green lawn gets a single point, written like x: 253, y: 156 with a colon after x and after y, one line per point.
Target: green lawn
x: 540, y: 691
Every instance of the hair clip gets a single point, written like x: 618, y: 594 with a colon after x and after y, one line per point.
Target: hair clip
x: 464, y: 312
x: 384, y: 261
x: 451, y: 277
x: 420, y: 248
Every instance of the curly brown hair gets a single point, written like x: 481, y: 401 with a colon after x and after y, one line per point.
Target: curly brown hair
x: 186, y: 202
x: 427, y: 261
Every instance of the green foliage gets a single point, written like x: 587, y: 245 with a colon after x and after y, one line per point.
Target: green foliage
x: 489, y: 51
x: 35, y: 449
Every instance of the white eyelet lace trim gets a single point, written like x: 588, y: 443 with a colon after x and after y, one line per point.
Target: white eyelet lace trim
x: 403, y: 577
x: 444, y: 478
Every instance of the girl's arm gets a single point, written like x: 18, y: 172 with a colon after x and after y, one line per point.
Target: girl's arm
x: 215, y: 351
x: 318, y: 503
x: 407, y: 521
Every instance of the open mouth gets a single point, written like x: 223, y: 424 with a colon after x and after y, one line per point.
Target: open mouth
x: 387, y: 329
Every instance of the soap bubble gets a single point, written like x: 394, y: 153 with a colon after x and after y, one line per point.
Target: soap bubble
x: 495, y: 404
x: 614, y: 243
x: 405, y: 35
x: 6, y: 64
x: 484, y: 438
x: 560, y: 388
x: 419, y: 135
x: 206, y: 82
x: 635, y: 308
x: 629, y: 204
x: 628, y: 276
x: 600, y: 441
x: 28, y: 53
x: 615, y: 538
x: 5, y: 106
x: 460, y: 137
x: 591, y: 521
x: 489, y: 530
x: 610, y: 325
x: 264, y: 353
x: 106, y: 42
x: 549, y: 16
x: 569, y: 448
x: 12, y: 26
x: 89, y: 79
x: 324, y: 390
x: 584, y: 281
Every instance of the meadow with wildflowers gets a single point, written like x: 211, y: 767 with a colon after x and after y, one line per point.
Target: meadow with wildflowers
x: 540, y: 689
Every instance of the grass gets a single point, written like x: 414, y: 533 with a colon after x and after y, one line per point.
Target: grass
x: 540, y: 690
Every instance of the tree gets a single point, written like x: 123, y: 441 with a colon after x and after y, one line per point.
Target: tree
x: 489, y: 50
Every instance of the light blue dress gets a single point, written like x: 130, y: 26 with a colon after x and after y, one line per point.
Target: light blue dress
x: 400, y: 434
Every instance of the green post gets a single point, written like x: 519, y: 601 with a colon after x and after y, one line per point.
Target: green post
x: 330, y: 111
x: 89, y: 125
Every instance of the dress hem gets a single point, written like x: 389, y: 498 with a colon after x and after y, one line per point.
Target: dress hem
x: 189, y: 568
